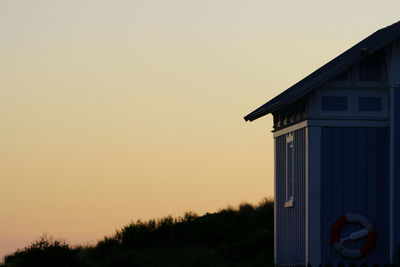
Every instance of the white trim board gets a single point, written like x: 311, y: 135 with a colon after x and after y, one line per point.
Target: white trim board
x: 332, y: 123
x: 348, y: 123
x: 290, y: 129
x: 275, y: 190
x: 313, y: 196
x: 307, y: 258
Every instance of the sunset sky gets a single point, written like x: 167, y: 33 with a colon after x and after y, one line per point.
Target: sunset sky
x: 113, y: 111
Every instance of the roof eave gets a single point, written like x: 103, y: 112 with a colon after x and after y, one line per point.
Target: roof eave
x: 367, y: 46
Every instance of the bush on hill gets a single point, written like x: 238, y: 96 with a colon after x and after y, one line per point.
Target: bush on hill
x: 230, y: 237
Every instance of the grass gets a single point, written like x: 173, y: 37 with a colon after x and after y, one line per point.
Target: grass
x: 230, y: 237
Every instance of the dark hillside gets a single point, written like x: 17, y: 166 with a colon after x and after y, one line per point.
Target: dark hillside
x: 230, y: 237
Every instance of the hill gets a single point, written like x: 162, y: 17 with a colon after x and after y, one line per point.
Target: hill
x: 230, y: 237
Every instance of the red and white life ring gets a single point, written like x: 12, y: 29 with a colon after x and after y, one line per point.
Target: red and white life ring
x: 368, y: 231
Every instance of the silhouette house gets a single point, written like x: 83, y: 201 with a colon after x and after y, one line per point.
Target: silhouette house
x: 337, y: 159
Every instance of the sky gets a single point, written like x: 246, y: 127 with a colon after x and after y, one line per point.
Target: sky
x: 114, y: 111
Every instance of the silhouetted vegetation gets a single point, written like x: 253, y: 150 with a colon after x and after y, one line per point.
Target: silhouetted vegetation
x: 230, y: 237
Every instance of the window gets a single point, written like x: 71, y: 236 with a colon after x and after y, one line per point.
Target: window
x: 334, y: 103
x: 369, y: 104
x: 289, y: 170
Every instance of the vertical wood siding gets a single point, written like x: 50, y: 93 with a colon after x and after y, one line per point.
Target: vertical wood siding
x: 396, y: 164
x: 290, y: 222
x: 355, y: 178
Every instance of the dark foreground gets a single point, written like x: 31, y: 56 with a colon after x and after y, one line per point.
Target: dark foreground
x: 230, y: 237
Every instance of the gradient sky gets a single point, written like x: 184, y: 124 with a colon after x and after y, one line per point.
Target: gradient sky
x: 113, y: 111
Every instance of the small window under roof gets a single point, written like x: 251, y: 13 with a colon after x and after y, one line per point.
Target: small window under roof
x: 369, y: 104
x: 334, y: 103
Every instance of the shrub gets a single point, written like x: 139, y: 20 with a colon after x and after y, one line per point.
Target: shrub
x: 230, y: 237
x: 45, y: 252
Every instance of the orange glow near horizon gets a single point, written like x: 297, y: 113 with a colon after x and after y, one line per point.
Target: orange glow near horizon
x: 126, y: 110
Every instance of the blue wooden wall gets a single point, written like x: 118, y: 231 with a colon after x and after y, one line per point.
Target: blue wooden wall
x: 290, y: 222
x: 355, y: 178
x: 396, y: 161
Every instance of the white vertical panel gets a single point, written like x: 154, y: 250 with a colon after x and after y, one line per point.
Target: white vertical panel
x: 313, y: 195
x: 275, y: 200
x: 394, y: 82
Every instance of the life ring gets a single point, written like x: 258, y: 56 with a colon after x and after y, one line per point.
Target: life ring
x: 338, y: 243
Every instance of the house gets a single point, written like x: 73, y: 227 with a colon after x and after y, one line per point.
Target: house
x: 337, y: 159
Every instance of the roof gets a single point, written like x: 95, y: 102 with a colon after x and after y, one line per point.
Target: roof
x: 368, y: 46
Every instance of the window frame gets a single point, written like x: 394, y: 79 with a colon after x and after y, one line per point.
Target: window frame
x: 334, y: 103
x: 289, y: 167
x: 364, y: 106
